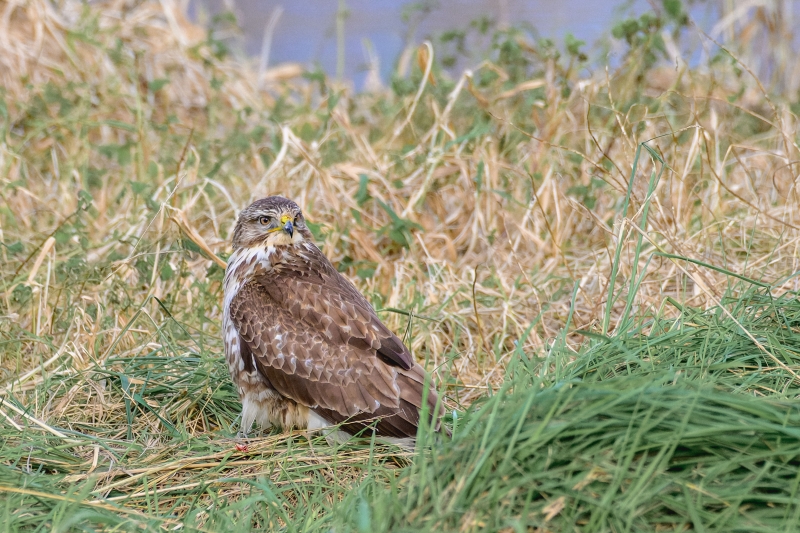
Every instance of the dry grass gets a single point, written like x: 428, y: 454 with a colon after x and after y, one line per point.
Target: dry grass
x: 488, y: 209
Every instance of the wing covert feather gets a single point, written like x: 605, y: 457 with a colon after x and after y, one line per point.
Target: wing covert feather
x: 324, y: 299
x: 305, y: 365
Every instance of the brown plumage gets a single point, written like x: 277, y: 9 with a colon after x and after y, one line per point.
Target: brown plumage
x: 304, y: 347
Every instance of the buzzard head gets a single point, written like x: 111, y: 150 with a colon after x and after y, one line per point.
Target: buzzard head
x: 271, y: 221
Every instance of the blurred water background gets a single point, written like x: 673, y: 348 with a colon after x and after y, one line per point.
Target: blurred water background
x: 363, y: 40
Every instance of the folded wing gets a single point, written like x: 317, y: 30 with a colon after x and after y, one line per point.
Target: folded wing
x: 319, y: 342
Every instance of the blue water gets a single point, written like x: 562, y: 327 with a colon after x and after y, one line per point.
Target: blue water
x: 306, y: 31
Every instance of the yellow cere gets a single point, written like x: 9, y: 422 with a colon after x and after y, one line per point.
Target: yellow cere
x: 285, y: 219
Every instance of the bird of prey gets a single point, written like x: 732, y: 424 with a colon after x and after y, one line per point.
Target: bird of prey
x: 304, y: 348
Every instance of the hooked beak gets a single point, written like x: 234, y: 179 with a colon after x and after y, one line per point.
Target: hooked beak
x: 289, y: 228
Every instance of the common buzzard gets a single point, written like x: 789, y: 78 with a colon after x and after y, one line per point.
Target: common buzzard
x: 304, y: 348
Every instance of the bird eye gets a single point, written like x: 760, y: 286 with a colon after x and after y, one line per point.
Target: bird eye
x: 263, y: 220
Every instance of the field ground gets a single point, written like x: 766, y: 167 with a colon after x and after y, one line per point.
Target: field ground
x: 597, y: 264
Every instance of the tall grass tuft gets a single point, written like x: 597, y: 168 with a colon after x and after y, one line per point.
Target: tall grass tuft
x: 688, y: 427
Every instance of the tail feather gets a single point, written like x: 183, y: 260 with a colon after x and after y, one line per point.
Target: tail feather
x: 399, y: 422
